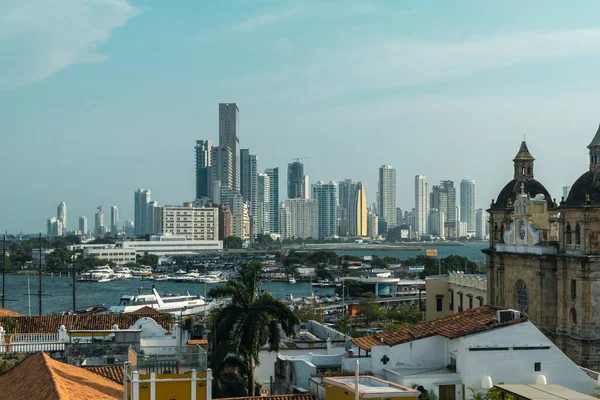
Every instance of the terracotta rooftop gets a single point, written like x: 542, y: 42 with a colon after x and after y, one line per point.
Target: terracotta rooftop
x: 51, y: 323
x: 40, y: 377
x: 453, y: 326
x: 275, y: 397
x: 112, y: 372
x: 146, y: 310
x: 5, y: 312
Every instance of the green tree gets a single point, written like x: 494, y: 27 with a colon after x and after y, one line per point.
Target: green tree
x: 406, y: 313
x: 252, y: 319
x: 307, y: 314
x: 370, y: 310
x: 264, y: 241
x: 232, y: 242
x: 351, y: 287
x: 322, y: 272
x: 148, y: 259
x: 291, y: 263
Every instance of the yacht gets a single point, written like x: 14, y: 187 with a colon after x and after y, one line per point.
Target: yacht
x: 161, y: 277
x: 141, y: 271
x: 292, y: 280
x: 98, y: 274
x: 212, y: 277
x: 123, y: 273
x: 173, y: 304
x: 189, y: 277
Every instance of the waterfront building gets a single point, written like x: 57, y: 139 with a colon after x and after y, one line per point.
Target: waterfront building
x: 233, y: 199
x: 372, y: 225
x: 141, y: 199
x: 301, y: 219
x: 542, y: 258
x: 347, y: 193
x: 61, y: 215
x: 262, y: 219
x: 437, y: 220
x: 306, y: 188
x: 117, y: 255
x: 249, y: 185
x: 421, y: 212
x: 204, y: 172
x: 99, y: 227
x: 151, y: 218
x: 273, y: 174
x: 38, y: 257
x: 225, y: 221
x: 129, y: 229
x: 54, y: 227
x: 229, y: 126
x: 295, y: 180
x: 387, y: 195
x: 326, y: 196
x: 193, y: 223
x: 566, y: 190
x: 443, y: 197
x: 222, y: 165
x: 83, y: 226
x: 114, y: 220
x: 358, y: 212
x: 481, y: 224
x: 467, y: 203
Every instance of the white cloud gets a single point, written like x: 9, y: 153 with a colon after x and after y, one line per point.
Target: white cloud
x: 41, y: 38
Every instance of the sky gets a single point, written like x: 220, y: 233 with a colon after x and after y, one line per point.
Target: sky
x: 101, y: 97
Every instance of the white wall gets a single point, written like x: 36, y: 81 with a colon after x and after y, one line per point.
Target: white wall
x: 428, y: 352
x: 517, y: 366
x: 266, y: 369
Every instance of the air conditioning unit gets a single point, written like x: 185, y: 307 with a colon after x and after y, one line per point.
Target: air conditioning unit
x: 507, y: 315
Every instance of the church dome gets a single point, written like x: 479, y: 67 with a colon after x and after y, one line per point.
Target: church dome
x: 523, y: 176
x: 586, y: 190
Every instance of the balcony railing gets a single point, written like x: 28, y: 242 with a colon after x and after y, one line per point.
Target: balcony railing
x: 8, y: 348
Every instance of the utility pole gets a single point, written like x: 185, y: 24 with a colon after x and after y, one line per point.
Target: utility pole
x: 73, y: 272
x: 40, y: 272
x: 4, y: 272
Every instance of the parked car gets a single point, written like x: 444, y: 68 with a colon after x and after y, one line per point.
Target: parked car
x: 372, y: 331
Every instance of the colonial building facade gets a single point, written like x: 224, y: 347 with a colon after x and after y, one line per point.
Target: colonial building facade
x: 544, y: 258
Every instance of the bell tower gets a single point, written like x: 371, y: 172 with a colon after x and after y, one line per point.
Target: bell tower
x: 524, y: 162
x: 595, y: 152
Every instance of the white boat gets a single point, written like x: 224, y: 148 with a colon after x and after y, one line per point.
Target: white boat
x: 173, y: 304
x: 292, y: 280
x: 123, y: 273
x: 189, y: 277
x: 161, y: 277
x: 141, y: 271
x: 98, y: 274
x: 212, y: 277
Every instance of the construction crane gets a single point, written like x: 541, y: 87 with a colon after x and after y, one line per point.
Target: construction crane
x: 297, y: 159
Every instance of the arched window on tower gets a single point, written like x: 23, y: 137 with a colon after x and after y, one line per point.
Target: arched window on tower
x: 577, y: 234
x: 523, y: 171
x: 569, y: 234
x: 528, y: 170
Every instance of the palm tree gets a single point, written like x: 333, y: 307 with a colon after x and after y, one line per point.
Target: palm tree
x: 252, y: 320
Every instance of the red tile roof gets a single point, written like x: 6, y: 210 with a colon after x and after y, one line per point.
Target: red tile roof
x: 112, y: 372
x: 147, y: 310
x: 451, y: 326
x: 51, y: 323
x: 40, y: 377
x: 274, y: 397
x: 5, y: 312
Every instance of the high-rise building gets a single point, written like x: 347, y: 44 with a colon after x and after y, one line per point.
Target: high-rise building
x: 437, y: 221
x: 467, y: 203
x: 54, y: 227
x: 83, y: 226
x: 372, y: 225
x: 129, y: 229
x: 387, y: 195
x: 249, y: 186
x: 225, y: 221
x: 299, y: 219
x: 295, y: 180
x: 326, y: 195
x: 140, y: 215
x: 443, y: 197
x: 346, y: 194
x: 306, y: 189
x: 61, y: 215
x: 193, y: 223
x: 358, y: 212
x: 203, y: 169
x: 262, y: 220
x: 233, y: 199
x: 421, y: 206
x: 566, y: 190
x: 99, y: 228
x: 273, y: 174
x: 399, y: 216
x: 481, y: 224
x: 114, y: 220
x: 229, y: 126
x: 222, y: 165
x: 151, y: 217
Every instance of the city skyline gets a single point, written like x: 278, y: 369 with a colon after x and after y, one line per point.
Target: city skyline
x: 498, y: 76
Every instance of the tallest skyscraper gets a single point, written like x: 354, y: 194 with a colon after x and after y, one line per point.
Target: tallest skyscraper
x: 229, y: 125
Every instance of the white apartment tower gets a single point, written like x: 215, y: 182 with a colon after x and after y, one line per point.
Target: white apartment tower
x: 421, y: 205
x: 481, y: 224
x: 229, y: 126
x: 193, y: 223
x: 262, y: 220
x: 326, y: 196
x: 467, y: 203
x: 301, y: 219
x: 387, y: 195
x: 249, y: 184
x: 61, y: 215
x: 437, y: 220
x: 372, y: 225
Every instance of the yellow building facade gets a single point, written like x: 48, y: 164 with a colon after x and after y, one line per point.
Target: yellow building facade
x: 345, y: 388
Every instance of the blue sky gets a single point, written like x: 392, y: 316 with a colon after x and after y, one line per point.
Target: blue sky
x: 99, y: 98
